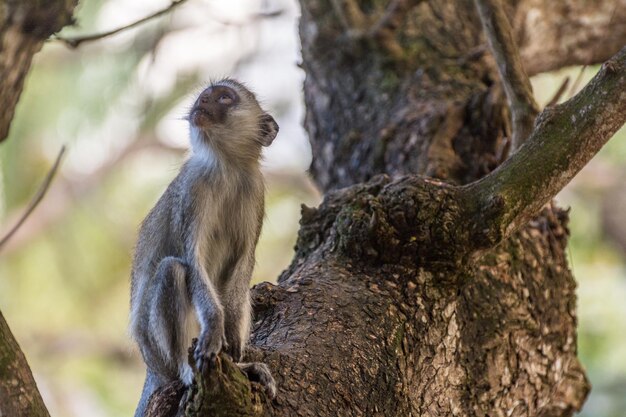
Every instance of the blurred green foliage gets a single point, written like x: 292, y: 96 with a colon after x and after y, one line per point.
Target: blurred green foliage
x: 64, y: 280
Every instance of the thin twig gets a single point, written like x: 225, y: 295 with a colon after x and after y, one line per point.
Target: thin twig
x: 577, y: 82
x: 559, y: 93
x: 41, y: 192
x: 517, y: 86
x: 74, y: 42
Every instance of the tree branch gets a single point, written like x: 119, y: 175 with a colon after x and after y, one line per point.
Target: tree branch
x: 559, y: 93
x: 18, y: 392
x: 517, y: 86
x: 74, y: 42
x: 557, y: 34
x: 25, y: 26
x: 565, y: 138
x: 36, y: 199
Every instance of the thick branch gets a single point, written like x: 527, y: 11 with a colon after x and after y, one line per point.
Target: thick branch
x: 517, y: 86
x: 18, y: 391
x: 565, y: 138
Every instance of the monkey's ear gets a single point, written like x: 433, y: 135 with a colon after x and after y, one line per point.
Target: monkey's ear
x: 269, y: 129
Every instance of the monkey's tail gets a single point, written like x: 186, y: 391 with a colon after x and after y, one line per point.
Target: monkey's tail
x: 152, y: 384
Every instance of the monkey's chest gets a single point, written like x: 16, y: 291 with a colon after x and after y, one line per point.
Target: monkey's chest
x: 227, y: 235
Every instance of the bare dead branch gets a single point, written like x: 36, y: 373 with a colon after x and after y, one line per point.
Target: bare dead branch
x: 41, y: 192
x: 74, y: 42
x: 517, y: 86
x: 565, y: 138
x: 559, y: 93
x: 579, y: 78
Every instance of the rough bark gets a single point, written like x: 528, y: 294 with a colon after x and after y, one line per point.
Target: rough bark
x: 437, y: 111
x: 24, y: 26
x: 18, y: 393
x: 398, y: 302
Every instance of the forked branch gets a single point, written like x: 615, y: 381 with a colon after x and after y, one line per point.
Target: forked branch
x: 564, y: 140
x: 517, y: 86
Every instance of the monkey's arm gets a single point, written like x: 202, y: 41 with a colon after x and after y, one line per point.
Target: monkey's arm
x: 209, y: 312
x: 237, y: 311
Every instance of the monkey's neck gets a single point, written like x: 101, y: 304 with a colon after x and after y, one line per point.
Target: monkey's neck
x: 224, y: 155
x: 213, y: 161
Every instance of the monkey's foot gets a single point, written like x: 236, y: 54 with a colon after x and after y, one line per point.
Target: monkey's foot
x: 260, y: 373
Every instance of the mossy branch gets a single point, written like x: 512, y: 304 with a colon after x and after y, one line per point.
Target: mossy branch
x: 564, y: 140
x: 219, y: 389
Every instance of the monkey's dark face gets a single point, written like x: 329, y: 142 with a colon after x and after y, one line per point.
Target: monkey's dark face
x: 227, y: 117
x: 213, y: 105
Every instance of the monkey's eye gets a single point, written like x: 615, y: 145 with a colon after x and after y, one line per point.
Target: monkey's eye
x: 225, y: 99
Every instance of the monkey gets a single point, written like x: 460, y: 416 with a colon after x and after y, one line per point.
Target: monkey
x: 194, y: 255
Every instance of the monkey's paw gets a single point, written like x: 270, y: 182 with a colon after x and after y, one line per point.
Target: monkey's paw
x: 260, y: 373
x: 205, y: 352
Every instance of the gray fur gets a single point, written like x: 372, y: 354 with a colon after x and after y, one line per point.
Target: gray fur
x: 195, y: 253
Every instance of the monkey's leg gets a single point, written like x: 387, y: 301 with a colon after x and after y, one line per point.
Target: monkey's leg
x: 160, y: 328
x: 236, y: 301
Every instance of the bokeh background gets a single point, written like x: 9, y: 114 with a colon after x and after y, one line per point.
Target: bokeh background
x: 118, y: 104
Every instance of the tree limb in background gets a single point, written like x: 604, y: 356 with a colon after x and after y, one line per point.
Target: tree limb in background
x: 559, y: 93
x: 558, y: 35
x: 26, y: 24
x: 36, y: 199
x: 517, y: 86
x: 74, y: 42
x: 578, y: 80
x: 566, y: 137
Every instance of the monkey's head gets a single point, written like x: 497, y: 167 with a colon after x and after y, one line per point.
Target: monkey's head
x: 227, y: 119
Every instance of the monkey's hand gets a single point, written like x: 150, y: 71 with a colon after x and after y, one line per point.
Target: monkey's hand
x: 209, y: 344
x: 260, y: 373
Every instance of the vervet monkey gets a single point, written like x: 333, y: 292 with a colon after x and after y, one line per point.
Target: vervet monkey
x: 195, y: 252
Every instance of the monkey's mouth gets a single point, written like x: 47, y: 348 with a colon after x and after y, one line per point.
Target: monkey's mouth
x: 200, y: 117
